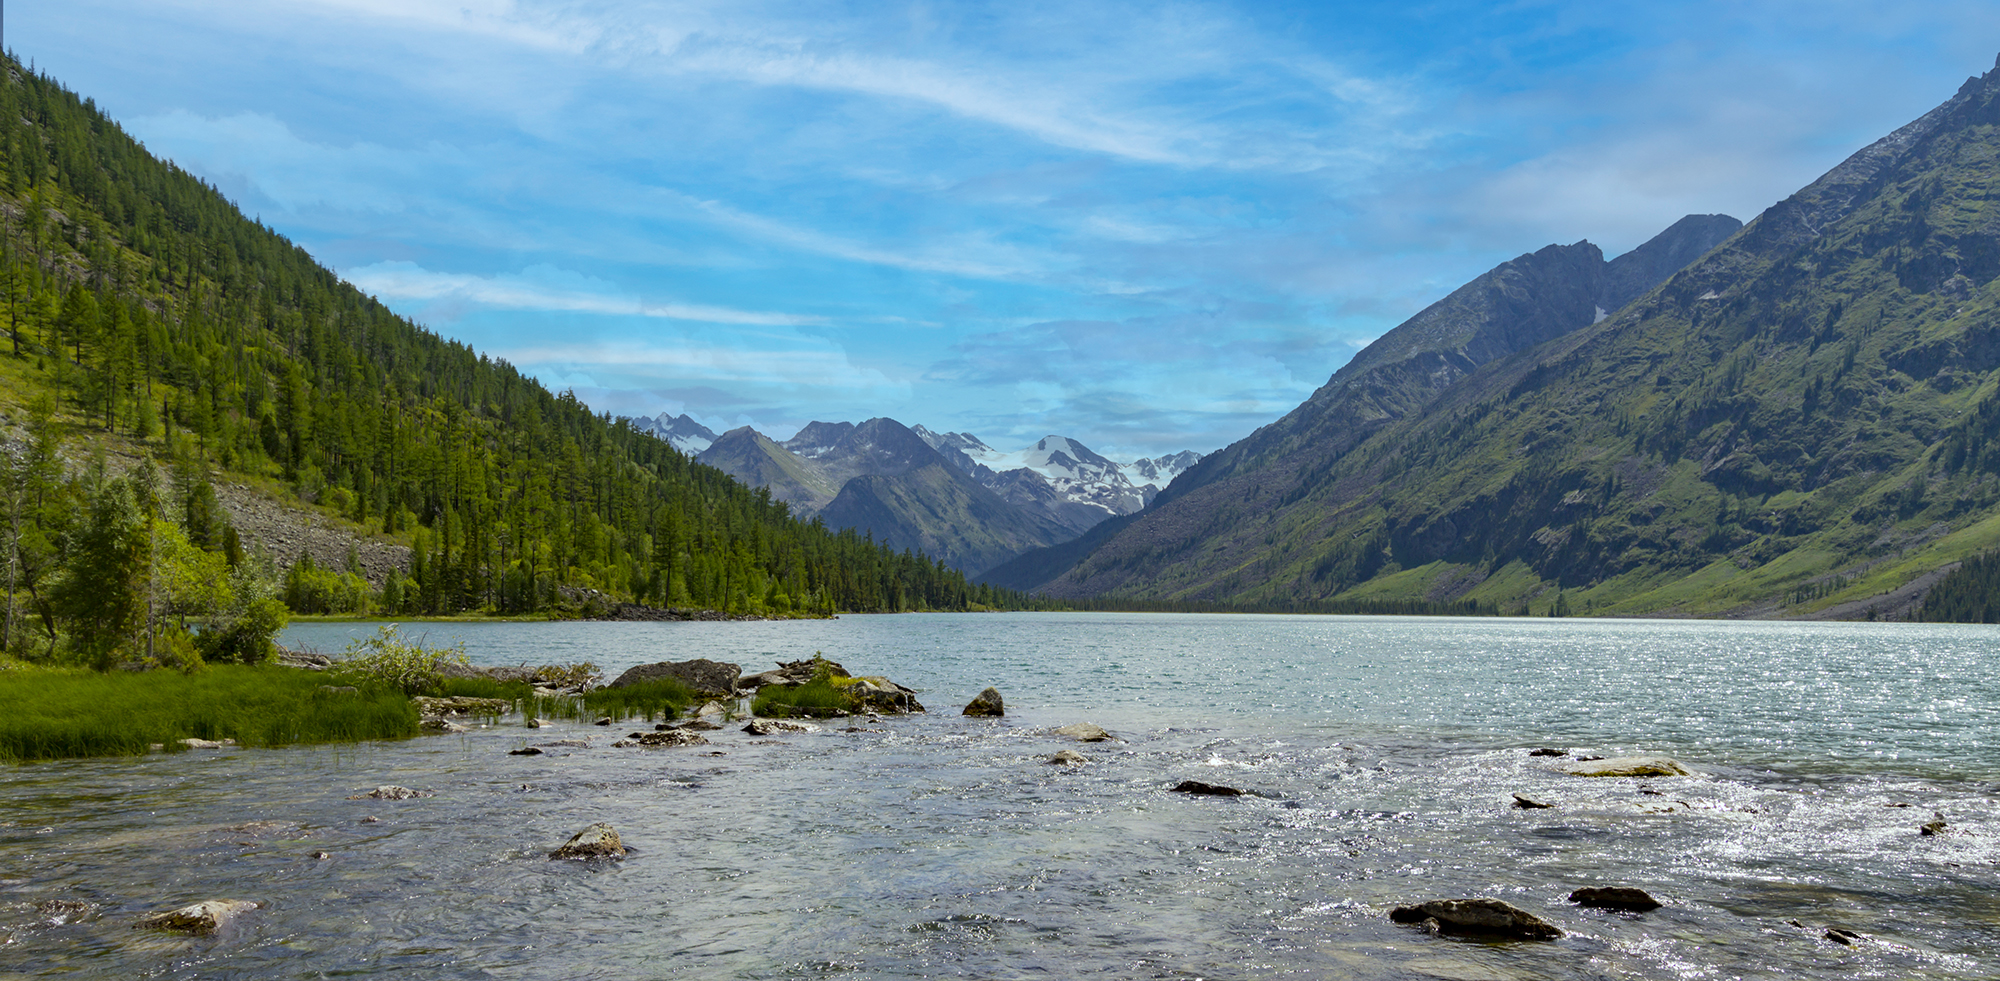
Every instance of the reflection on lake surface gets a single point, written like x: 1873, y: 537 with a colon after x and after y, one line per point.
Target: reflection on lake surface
x: 1383, y: 753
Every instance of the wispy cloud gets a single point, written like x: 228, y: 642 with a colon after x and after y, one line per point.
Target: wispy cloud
x: 409, y: 281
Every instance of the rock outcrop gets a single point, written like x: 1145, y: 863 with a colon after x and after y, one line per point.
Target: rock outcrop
x: 768, y: 727
x: 1628, y: 766
x: 986, y: 704
x: 201, y: 918
x: 1625, y: 898
x: 599, y: 840
x: 670, y: 737
x: 1085, y: 732
x: 1476, y: 917
x: 714, y: 679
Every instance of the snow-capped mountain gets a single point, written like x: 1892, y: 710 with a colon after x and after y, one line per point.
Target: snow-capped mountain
x: 685, y: 434
x: 1070, y: 474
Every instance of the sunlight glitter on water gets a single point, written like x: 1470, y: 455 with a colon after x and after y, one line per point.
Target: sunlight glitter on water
x: 948, y: 847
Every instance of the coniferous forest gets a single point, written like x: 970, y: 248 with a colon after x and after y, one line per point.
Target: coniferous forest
x: 143, y: 310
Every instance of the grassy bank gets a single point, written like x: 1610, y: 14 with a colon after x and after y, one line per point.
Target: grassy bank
x: 57, y: 714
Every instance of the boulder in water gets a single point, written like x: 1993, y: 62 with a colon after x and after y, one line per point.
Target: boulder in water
x: 1615, y: 897
x: 1477, y: 917
x: 392, y: 792
x: 701, y: 675
x: 599, y: 840
x: 1628, y: 766
x: 1529, y: 804
x: 1085, y: 732
x: 1206, y: 789
x: 986, y: 704
x: 200, y: 918
x: 767, y: 727
x: 1068, y: 757
x: 671, y: 737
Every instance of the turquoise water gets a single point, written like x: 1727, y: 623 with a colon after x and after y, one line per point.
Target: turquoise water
x: 1382, y: 754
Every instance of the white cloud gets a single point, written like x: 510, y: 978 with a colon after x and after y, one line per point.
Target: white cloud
x: 408, y: 281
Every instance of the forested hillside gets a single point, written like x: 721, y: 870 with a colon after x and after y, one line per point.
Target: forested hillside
x: 147, y: 317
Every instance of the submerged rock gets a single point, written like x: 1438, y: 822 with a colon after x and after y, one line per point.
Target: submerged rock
x: 393, y: 792
x: 1526, y: 803
x: 1628, y: 766
x: 534, y: 723
x: 1208, y: 789
x: 599, y: 840
x: 1845, y: 938
x: 1932, y: 827
x: 987, y: 704
x: 1546, y: 751
x: 524, y: 751
x: 1068, y: 757
x: 766, y: 727
x: 1615, y: 897
x: 204, y: 917
x: 207, y: 743
x: 703, y: 676
x: 671, y: 737
x: 441, y: 725
x: 1479, y: 917
x: 1085, y: 732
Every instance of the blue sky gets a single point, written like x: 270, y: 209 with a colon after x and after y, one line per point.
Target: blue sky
x: 1147, y: 226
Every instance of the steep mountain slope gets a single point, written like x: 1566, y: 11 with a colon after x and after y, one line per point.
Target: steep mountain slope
x: 679, y: 432
x: 1796, y: 424
x: 755, y: 459
x: 882, y: 479
x: 1515, y: 306
x: 938, y: 510
x: 148, y: 315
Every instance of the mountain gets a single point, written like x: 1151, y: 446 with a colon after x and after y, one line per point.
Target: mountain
x: 680, y: 432
x: 938, y: 510
x: 151, y: 320
x: 1063, y: 478
x: 882, y: 479
x: 1796, y: 424
x: 757, y: 460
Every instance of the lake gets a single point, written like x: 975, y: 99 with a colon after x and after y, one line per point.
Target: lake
x: 1381, y: 755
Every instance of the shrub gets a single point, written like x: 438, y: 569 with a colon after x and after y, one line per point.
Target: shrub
x: 390, y: 659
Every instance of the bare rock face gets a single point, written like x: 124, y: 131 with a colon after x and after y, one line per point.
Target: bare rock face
x: 705, y: 677
x: 987, y: 704
x: 599, y: 840
x: 1629, y: 766
x: 201, y: 918
x: 1615, y: 897
x: 669, y: 737
x: 1477, y: 917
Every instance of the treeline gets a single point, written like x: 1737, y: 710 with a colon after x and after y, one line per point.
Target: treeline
x: 149, y: 309
x: 1967, y: 594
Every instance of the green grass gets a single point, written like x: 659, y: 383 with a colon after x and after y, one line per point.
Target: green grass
x: 512, y: 691
x: 663, y: 698
x: 62, y: 714
x: 819, y: 698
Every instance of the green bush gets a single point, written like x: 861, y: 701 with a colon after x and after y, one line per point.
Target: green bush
x: 392, y: 660
x: 59, y: 714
